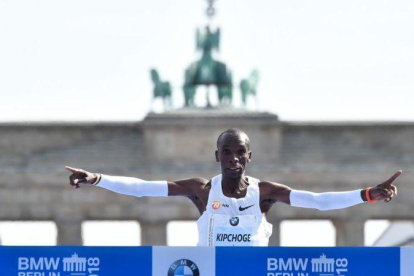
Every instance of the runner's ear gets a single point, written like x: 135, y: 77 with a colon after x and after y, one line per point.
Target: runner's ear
x: 250, y: 157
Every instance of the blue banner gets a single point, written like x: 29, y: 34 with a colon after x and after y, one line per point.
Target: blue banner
x: 306, y: 261
x: 75, y: 261
x: 205, y: 261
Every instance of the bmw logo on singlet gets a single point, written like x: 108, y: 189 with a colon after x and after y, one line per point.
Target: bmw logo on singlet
x: 234, y: 221
x: 183, y: 267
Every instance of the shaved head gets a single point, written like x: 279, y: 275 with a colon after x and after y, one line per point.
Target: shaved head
x: 235, y: 133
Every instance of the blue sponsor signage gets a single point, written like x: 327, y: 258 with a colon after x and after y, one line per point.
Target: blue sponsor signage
x: 205, y: 261
x: 295, y: 261
x: 183, y: 261
x: 75, y: 261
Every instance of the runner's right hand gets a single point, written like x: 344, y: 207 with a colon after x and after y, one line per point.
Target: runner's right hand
x: 80, y: 176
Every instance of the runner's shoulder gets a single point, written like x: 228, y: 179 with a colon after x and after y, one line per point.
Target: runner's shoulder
x: 201, y: 185
x: 269, y: 186
x: 199, y: 181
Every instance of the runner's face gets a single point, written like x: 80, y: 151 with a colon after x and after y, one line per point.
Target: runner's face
x: 233, y: 154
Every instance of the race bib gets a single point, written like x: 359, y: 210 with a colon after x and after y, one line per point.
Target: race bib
x: 232, y: 231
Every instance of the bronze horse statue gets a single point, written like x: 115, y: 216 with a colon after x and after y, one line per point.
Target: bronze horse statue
x: 249, y: 86
x: 161, y: 89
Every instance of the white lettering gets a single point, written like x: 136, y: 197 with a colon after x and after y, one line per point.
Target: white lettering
x: 290, y: 264
x: 51, y: 263
x: 42, y: 266
x: 300, y: 264
x: 32, y: 274
x: 36, y: 264
x: 285, y: 266
x: 23, y: 263
x: 271, y: 264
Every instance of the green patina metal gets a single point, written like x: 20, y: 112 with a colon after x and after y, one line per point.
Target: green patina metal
x: 206, y: 71
x: 162, y: 89
x: 249, y: 86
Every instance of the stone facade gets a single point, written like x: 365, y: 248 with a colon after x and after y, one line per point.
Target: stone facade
x: 310, y: 156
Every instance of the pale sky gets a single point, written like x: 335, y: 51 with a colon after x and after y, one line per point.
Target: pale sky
x: 318, y: 60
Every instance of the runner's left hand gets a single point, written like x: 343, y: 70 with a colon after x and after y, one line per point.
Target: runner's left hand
x: 385, y: 191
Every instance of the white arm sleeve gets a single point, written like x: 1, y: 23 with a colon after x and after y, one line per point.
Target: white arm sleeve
x: 133, y: 186
x: 325, y: 201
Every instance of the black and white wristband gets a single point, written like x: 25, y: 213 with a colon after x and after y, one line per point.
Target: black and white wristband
x: 98, y: 178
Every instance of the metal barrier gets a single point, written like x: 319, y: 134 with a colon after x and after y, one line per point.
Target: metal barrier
x: 205, y: 261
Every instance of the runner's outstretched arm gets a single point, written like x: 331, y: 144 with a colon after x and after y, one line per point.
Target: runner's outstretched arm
x: 331, y: 200
x: 135, y: 186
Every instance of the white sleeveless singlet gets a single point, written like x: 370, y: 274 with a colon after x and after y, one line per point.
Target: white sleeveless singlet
x: 233, y: 222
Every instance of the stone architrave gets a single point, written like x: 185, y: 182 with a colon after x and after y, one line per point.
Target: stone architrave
x: 187, y: 137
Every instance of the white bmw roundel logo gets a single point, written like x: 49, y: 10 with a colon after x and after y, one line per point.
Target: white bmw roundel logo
x: 183, y: 267
x: 234, y: 221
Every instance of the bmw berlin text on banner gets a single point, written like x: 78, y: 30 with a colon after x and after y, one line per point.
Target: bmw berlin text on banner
x: 205, y: 261
x: 74, y: 261
x: 327, y: 261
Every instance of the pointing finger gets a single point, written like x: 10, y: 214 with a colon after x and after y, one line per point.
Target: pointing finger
x: 74, y: 170
x: 388, y: 183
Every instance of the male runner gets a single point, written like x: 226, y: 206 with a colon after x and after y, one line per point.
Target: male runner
x: 233, y: 206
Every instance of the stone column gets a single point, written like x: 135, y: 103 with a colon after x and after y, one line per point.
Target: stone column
x: 153, y: 233
x: 69, y: 231
x: 349, y: 232
x: 274, y: 239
